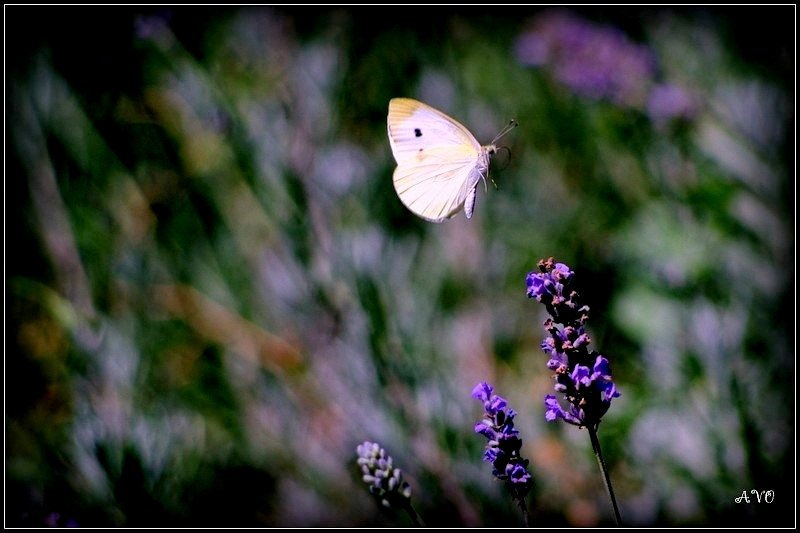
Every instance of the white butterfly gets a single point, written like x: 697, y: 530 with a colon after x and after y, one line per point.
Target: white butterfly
x: 439, y: 162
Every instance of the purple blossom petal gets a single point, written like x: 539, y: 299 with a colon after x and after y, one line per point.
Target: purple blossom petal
x: 535, y: 284
x: 486, y: 430
x: 575, y: 416
x: 562, y: 271
x: 491, y: 454
x: 482, y: 391
x: 548, y: 346
x: 517, y: 473
x: 553, y: 408
x: 608, y: 390
x: 581, y: 340
x: 581, y: 376
x: 495, y: 405
x: 602, y: 367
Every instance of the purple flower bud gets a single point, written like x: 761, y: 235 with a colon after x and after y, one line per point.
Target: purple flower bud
x: 580, y: 340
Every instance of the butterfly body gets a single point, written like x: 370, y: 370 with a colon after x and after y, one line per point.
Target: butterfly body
x: 439, y: 162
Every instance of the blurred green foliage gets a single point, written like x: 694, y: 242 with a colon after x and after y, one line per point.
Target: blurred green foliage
x: 213, y: 293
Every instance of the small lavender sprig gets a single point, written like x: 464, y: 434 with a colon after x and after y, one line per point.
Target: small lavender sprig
x: 583, y: 376
x: 503, y: 448
x: 385, y: 482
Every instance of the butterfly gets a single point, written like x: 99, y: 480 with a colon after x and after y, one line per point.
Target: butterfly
x: 439, y: 162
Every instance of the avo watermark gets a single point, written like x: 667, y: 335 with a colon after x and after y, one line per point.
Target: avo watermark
x: 758, y: 496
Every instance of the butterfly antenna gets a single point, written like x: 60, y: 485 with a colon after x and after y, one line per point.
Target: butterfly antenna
x: 510, y: 126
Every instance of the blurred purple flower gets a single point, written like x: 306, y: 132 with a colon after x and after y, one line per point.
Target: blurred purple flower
x: 593, y: 60
x: 581, y: 375
x: 155, y: 26
x: 504, y: 444
x: 55, y: 519
x: 670, y: 102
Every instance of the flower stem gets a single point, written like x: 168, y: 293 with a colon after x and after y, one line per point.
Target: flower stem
x: 524, y: 508
x: 417, y: 519
x: 599, y: 454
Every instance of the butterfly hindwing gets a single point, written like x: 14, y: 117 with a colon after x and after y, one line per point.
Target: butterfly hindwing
x: 434, y: 192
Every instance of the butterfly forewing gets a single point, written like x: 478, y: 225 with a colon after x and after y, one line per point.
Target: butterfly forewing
x: 415, y: 127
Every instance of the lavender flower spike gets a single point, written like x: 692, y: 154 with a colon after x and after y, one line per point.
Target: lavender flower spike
x: 583, y: 376
x: 385, y: 482
x: 503, y: 446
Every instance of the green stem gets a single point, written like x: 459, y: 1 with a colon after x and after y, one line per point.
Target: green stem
x: 524, y: 508
x: 599, y: 454
x: 418, y: 522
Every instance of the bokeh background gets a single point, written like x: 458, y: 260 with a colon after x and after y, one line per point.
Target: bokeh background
x: 213, y: 293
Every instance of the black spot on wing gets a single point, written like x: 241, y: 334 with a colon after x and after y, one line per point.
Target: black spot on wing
x: 417, y: 132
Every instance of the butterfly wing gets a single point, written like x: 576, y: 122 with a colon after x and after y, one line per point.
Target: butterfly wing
x: 435, y: 192
x: 438, y: 160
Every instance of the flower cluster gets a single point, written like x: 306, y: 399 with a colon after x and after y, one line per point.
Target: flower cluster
x: 385, y: 482
x: 600, y: 62
x: 503, y: 448
x: 583, y: 376
x: 594, y: 61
